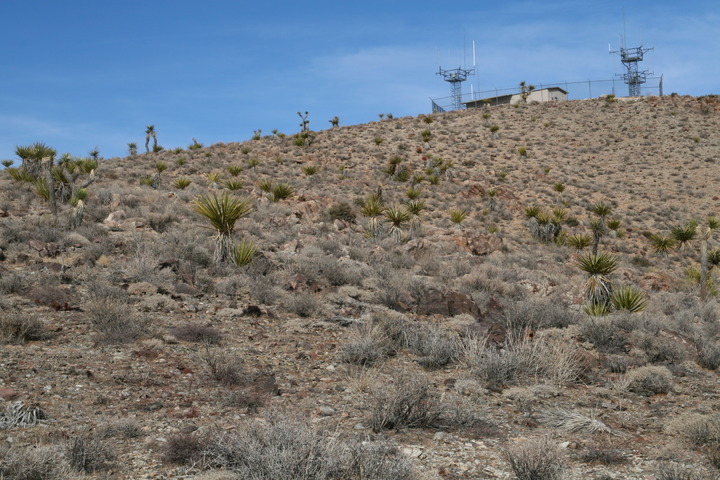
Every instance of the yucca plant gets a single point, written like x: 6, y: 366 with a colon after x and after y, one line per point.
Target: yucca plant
x: 492, y: 198
x: 532, y: 212
x: 457, y: 216
x: 244, y: 253
x: 613, y: 224
x: 223, y: 211
x: 662, y: 244
x: 522, y: 151
x: 413, y: 193
x: 147, y: 181
x: 181, y: 183
x: 415, y: 206
x: 629, y: 299
x: 253, y: 163
x: 234, y: 170
x: 265, y: 185
x: 579, y: 241
x: 684, y: 234
x: 150, y: 133
x: 714, y: 258
x: 7, y: 163
x: 32, y: 157
x: 234, y: 184
x: 559, y: 187
x: 596, y: 309
x: 396, y: 215
x: 598, y: 287
x: 160, y: 166
x: 281, y: 191
x: 433, y: 179
x: 372, y: 207
x: 213, y: 177
x: 310, y: 170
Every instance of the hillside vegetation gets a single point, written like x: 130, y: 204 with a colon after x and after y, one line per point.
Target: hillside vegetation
x: 510, y: 292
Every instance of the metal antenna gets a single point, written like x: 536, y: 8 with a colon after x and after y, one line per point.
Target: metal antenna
x: 630, y: 57
x: 455, y: 77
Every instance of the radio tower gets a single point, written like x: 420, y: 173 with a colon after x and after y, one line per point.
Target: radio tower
x: 455, y: 77
x: 634, y: 77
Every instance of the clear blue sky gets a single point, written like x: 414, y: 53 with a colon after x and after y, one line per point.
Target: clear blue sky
x: 82, y: 73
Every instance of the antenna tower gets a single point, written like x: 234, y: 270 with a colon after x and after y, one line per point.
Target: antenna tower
x: 455, y: 77
x: 634, y: 77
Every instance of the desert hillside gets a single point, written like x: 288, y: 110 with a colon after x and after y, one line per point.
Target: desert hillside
x: 506, y: 292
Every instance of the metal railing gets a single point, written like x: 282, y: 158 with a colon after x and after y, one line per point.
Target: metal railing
x: 577, y: 90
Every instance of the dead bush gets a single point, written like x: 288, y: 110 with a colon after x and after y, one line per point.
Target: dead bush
x: 12, y: 283
x: 603, y: 453
x: 17, y: 328
x: 89, y: 454
x: 699, y: 430
x: 49, y: 296
x: 534, y: 313
x: 675, y: 471
x: 709, y: 355
x: 649, y: 380
x: 193, y: 332
x: 535, y: 459
x: 435, y: 347
x: 184, y: 449
x: 303, y: 304
x: 408, y: 401
x: 114, y: 320
x: 368, y: 346
x: 34, y: 463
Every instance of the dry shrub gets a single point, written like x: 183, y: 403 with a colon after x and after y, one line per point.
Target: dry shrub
x: 18, y: 329
x: 193, y: 332
x: 435, y: 346
x: 34, y: 463
x: 368, y: 346
x: 281, y: 449
x: 603, y: 334
x: 12, y: 283
x: 603, y: 453
x: 539, y: 357
x: 303, y: 304
x: 408, y: 401
x: 648, y: 380
x: 699, y: 430
x: 49, y: 296
x: 114, y: 320
x: 535, y: 313
x: 89, y: 454
x: 536, y: 459
x: 675, y: 471
x: 658, y: 349
x: 709, y: 355
x: 184, y: 449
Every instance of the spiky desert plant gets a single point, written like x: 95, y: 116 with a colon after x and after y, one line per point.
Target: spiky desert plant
x: 234, y: 170
x: 7, y: 163
x: 310, y: 170
x: 195, y: 145
x: 559, y: 187
x: 684, y: 234
x: 396, y: 216
x: 213, y: 177
x: 415, y: 206
x: 243, y: 253
x: 598, y: 287
x: 160, y: 166
x: 335, y: 121
x: 705, y: 233
x: 426, y: 136
x: 413, y: 193
x: 32, y: 157
x: 579, y: 241
x: 613, y: 224
x: 457, y: 216
x: 181, y: 183
x: 265, y: 185
x: 253, y: 163
x: 372, y: 207
x: 532, y: 211
x: 629, y: 299
x: 494, y: 130
x: 714, y: 258
x: 281, y: 191
x: 662, y: 244
x: 234, y: 184
x: 522, y: 151
x: 492, y: 199
x: 223, y: 211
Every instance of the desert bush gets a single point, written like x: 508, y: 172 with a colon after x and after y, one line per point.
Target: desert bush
x: 341, y: 211
x: 184, y: 449
x: 281, y: 449
x: 34, y: 463
x: 12, y: 283
x: 604, y: 453
x: 603, y: 333
x: 302, y: 304
x: 368, y: 346
x: 224, y: 368
x: 89, y: 454
x: 533, y: 313
x: 18, y: 328
x: 675, y: 471
x: 434, y: 346
x: 114, y: 320
x: 49, y: 296
x: 709, y: 355
x: 535, y: 459
x: 658, y: 349
x: 406, y: 402
x: 193, y: 332
x: 649, y: 380
x: 699, y: 430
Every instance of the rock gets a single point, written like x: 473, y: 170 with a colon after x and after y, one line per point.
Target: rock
x: 480, y: 244
x: 8, y: 393
x: 115, y: 217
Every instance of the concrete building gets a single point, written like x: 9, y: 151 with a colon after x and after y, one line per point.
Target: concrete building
x: 550, y: 94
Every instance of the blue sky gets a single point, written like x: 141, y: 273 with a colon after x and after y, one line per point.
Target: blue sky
x: 83, y: 73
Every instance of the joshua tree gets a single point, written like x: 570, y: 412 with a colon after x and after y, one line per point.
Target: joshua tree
x: 525, y: 91
x: 32, y: 158
x: 132, y: 148
x: 705, y: 233
x: 598, y: 227
x: 223, y: 211
x: 396, y: 216
x: 150, y: 133
x: 94, y: 153
x: 335, y: 122
x: 305, y: 124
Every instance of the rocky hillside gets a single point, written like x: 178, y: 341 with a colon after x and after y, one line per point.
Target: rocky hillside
x: 493, y: 293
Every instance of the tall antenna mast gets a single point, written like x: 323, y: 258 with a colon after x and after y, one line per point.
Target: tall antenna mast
x: 630, y: 57
x: 455, y: 77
